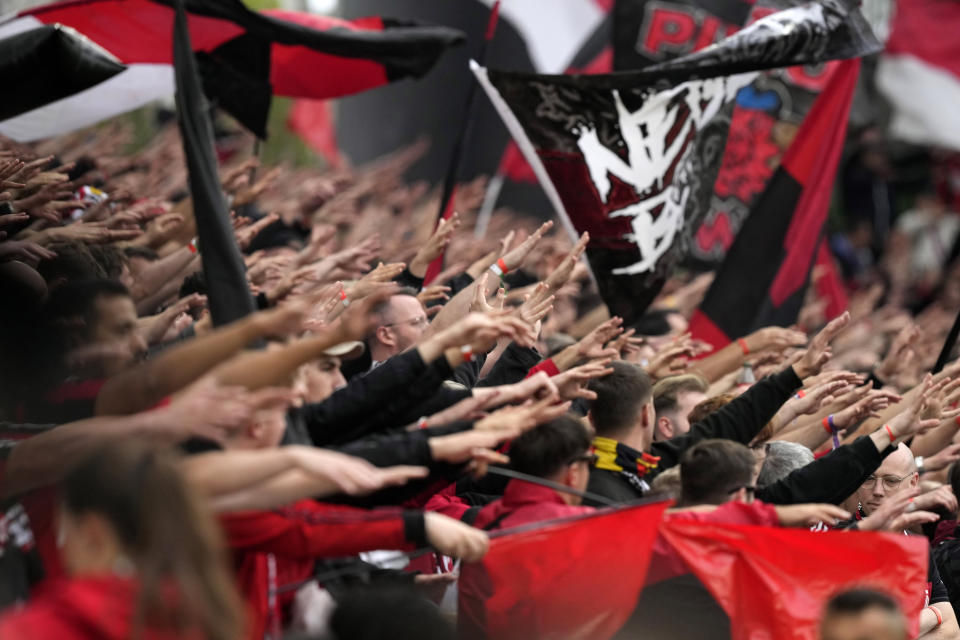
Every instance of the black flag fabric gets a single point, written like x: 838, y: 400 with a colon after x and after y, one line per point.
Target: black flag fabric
x: 228, y: 294
x: 49, y: 63
x: 764, y: 277
x: 632, y: 157
x: 765, y: 118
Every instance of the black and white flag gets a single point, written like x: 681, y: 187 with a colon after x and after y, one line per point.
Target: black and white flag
x: 632, y: 157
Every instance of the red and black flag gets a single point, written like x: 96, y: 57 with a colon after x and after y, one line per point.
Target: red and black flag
x: 766, y: 115
x: 764, y: 277
x: 244, y: 57
x: 632, y: 157
x: 774, y: 583
x: 575, y: 578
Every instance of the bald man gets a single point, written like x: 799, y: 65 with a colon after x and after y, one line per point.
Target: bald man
x: 899, y: 471
x: 862, y: 614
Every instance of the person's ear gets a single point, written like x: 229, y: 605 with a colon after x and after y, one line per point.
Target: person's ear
x: 665, y: 428
x: 385, y: 335
x: 648, y: 416
x: 914, y: 479
x: 740, y: 495
x: 570, y: 476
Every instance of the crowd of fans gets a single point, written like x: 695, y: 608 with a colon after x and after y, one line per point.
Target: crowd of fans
x: 280, y: 475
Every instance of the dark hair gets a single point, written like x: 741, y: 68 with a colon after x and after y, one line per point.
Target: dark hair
x: 167, y: 532
x: 666, y: 391
x: 396, y: 613
x: 953, y: 478
x: 855, y: 602
x: 700, y: 412
x: 110, y: 259
x: 858, y: 600
x: 620, y: 396
x: 77, y: 301
x: 713, y: 469
x: 545, y: 450
x: 72, y: 262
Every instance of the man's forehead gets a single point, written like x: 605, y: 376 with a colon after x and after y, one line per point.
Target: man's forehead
x: 898, y: 463
x: 405, y: 303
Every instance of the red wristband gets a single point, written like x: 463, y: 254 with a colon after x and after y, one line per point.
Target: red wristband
x: 800, y: 394
x: 743, y: 346
x: 826, y: 426
x: 937, y: 613
x: 503, y: 266
x: 422, y: 423
x: 467, y: 352
x: 890, y: 433
x: 192, y: 246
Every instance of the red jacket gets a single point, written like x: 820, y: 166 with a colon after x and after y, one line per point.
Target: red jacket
x: 274, y: 549
x: 88, y: 608
x: 523, y: 503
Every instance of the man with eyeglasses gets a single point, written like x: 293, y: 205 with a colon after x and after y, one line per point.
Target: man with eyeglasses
x: 898, y: 475
x: 402, y: 322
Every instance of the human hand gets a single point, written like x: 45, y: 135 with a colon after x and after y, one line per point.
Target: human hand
x: 352, y: 476
x: 86, y: 232
x: 809, y: 515
x: 432, y: 293
x: 561, y: 275
x: 813, y: 399
x: 523, y: 417
x: 27, y: 252
x: 942, y: 459
x: 245, y: 235
x: 776, y: 338
x: 515, y: 258
x: 898, y: 352
x: 435, y: 245
x: 940, y: 498
x: 818, y: 353
x: 572, y: 383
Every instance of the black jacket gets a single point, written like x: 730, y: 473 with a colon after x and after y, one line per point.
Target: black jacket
x: 832, y: 478
x: 374, y: 402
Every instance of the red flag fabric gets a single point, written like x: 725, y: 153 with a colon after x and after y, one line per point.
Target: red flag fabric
x: 829, y: 284
x: 313, y: 122
x: 774, y: 583
x: 576, y: 578
x: 919, y: 72
x: 764, y: 276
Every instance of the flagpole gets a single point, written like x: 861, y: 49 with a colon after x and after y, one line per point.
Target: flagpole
x: 459, y: 145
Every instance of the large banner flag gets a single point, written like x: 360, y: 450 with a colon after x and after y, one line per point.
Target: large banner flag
x: 632, y: 157
x: 919, y: 73
x: 575, y: 578
x: 49, y: 63
x: 244, y: 57
x: 764, y: 277
x: 774, y: 583
x: 766, y: 115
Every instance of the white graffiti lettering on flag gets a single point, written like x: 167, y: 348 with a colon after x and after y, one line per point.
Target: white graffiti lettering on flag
x: 657, y: 136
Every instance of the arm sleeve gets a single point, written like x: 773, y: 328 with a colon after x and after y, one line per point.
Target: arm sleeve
x: 831, y: 478
x: 407, y: 279
x: 741, y: 420
x: 376, y: 401
x: 404, y: 447
x: 310, y: 529
x: 512, y: 367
